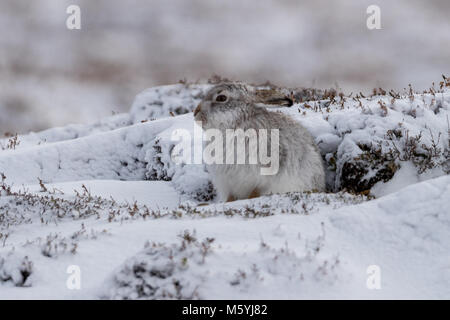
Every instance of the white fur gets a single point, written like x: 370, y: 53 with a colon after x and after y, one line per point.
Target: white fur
x: 300, y: 167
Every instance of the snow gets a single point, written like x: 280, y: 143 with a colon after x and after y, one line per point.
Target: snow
x: 405, y: 233
x: 404, y: 177
x: 108, y: 198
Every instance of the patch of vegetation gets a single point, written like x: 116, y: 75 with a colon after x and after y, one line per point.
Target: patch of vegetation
x: 287, y: 266
x: 12, y: 142
x: 51, y: 206
x: 361, y: 173
x: 156, y: 170
x: 19, y: 207
x: 379, y: 161
x: 204, y: 194
x: 163, y: 271
x: 15, y: 269
x: 55, y: 245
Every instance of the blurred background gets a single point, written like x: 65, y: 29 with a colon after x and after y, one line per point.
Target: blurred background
x: 51, y: 76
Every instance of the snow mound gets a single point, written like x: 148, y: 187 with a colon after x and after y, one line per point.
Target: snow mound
x: 164, y: 101
x: 163, y: 272
x: 364, y: 141
x: 189, y: 270
x: 69, y: 132
x: 367, y: 140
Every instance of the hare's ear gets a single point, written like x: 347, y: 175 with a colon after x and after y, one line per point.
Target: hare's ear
x: 273, y: 98
x: 280, y: 102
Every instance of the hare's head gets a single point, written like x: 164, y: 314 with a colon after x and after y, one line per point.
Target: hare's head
x: 223, y: 104
x: 229, y: 104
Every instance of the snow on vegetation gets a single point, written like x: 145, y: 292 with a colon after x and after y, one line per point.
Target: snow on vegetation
x: 108, y: 198
x: 188, y: 270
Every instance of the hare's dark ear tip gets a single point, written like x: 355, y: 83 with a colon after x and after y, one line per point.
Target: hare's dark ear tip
x: 289, y: 102
x: 283, y: 102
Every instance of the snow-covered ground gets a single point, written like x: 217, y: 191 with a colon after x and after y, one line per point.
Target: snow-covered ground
x: 106, y: 197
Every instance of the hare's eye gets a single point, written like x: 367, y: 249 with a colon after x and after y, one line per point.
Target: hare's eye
x: 221, y: 98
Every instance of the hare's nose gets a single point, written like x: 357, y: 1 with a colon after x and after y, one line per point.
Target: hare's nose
x: 197, y: 110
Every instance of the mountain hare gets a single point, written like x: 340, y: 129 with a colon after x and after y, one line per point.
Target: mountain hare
x: 239, y: 107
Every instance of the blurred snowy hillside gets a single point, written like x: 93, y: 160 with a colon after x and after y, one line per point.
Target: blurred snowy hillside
x: 51, y: 76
